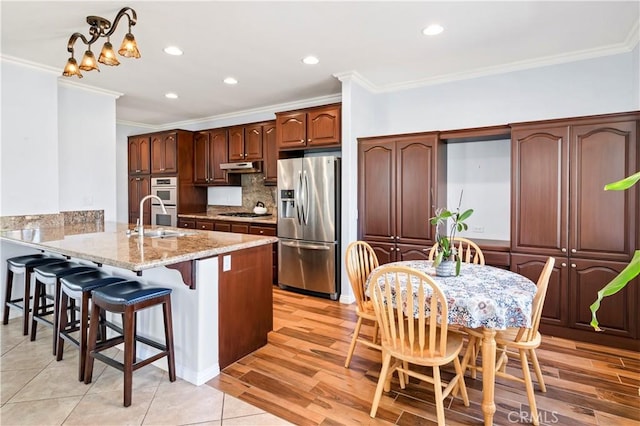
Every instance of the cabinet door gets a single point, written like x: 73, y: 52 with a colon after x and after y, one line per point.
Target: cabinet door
x: 603, y: 223
x: 385, y: 252
x: 201, y: 158
x: 270, y: 151
x: 412, y: 252
x: 539, y: 190
x: 291, y: 130
x: 236, y: 143
x: 323, y: 126
x: 169, y: 153
x: 265, y: 230
x: 253, y: 142
x: 377, y: 190
x: 222, y: 226
x: 139, y: 155
x: 617, y: 314
x: 186, y: 223
x: 556, y: 304
x: 415, y: 189
x: 139, y: 186
x: 218, y: 154
x: 240, y: 228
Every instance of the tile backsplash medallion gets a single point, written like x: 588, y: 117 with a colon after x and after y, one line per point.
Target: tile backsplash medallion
x: 246, y: 197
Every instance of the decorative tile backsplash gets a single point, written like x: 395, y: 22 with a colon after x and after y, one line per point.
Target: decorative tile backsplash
x: 253, y: 190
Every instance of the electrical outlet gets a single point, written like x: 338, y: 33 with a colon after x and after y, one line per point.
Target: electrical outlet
x: 478, y: 229
x: 226, y: 263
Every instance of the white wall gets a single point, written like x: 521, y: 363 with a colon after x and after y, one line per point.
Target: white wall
x: 29, y: 146
x: 87, y: 151
x: 596, y: 86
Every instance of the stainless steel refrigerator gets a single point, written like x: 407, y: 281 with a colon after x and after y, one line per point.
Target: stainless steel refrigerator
x: 309, y: 224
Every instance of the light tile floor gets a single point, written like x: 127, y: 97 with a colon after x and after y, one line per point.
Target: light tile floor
x: 35, y: 389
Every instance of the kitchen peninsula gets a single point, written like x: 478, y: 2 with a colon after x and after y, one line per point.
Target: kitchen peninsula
x: 221, y: 282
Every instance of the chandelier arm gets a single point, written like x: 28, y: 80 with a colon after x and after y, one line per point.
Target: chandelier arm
x: 75, y: 36
x: 123, y: 12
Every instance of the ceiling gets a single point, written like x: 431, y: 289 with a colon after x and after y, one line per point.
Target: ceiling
x: 262, y: 43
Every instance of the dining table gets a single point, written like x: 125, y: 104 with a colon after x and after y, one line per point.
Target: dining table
x: 481, y: 297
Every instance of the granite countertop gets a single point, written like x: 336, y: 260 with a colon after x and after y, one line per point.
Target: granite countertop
x: 269, y: 220
x: 109, y: 244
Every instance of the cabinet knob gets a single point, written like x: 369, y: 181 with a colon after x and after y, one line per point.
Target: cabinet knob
x: 392, y: 237
x: 138, y: 179
x: 573, y: 265
x: 203, y: 226
x: 564, y: 264
x: 262, y: 232
x: 138, y: 170
x: 301, y: 140
x: 397, y: 237
x: 564, y: 250
x: 573, y: 250
x: 162, y: 170
x: 308, y: 140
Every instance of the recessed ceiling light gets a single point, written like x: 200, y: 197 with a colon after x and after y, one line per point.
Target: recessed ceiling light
x: 230, y: 80
x: 433, y: 29
x: 310, y: 60
x: 171, y: 95
x: 173, y: 50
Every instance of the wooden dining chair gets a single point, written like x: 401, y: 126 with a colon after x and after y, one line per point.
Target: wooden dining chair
x: 409, y: 338
x: 518, y: 343
x: 468, y: 251
x: 360, y: 260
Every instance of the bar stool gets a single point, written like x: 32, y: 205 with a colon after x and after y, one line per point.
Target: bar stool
x: 78, y: 287
x: 49, y: 275
x: 128, y: 298
x: 23, y: 265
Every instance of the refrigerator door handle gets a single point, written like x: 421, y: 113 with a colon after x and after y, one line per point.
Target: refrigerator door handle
x: 299, y: 198
x: 305, y: 246
x: 305, y: 214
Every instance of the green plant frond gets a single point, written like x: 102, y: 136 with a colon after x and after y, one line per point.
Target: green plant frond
x: 631, y: 271
x: 438, y: 259
x: 458, y: 264
x: 623, y: 184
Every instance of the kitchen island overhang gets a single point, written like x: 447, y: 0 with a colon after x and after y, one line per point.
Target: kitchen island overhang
x: 232, y: 269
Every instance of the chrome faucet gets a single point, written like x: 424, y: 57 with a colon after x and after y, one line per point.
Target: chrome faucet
x: 145, y: 198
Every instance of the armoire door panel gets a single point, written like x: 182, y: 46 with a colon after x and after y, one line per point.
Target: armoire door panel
x: 617, y: 314
x: 603, y: 223
x: 556, y: 305
x: 377, y: 205
x: 414, y: 185
x: 539, y: 190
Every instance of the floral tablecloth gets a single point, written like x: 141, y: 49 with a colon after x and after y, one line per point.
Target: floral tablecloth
x: 481, y: 296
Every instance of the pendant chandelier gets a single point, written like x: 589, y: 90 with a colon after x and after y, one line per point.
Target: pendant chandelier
x: 101, y: 27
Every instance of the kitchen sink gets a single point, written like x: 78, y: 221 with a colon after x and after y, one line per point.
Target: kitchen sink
x: 163, y: 233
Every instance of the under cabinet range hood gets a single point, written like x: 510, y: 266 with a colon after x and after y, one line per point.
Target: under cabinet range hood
x: 244, y: 167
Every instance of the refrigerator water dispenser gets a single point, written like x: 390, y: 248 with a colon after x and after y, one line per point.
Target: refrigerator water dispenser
x: 288, y: 204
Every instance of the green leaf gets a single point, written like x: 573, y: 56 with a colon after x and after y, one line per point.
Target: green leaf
x: 458, y: 263
x: 465, y: 215
x: 623, y: 184
x: 631, y: 271
x: 438, y: 259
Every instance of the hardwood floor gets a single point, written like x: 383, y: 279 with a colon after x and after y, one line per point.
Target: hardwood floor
x: 300, y: 376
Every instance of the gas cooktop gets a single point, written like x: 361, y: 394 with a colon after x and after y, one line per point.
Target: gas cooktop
x: 245, y: 214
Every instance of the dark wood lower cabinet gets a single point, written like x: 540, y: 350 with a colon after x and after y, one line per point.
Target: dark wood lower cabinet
x: 390, y: 252
x: 245, y: 306
x: 573, y: 287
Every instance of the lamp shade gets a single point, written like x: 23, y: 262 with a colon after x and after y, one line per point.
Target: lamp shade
x: 108, y: 56
x: 129, y: 47
x: 88, y: 62
x: 71, y: 68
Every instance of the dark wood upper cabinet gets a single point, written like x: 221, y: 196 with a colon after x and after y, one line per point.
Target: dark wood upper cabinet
x: 398, y: 179
x: 164, y: 153
x: 270, y: 151
x: 211, y: 150
x: 139, y: 155
x: 309, y: 128
x: 253, y: 145
x: 236, y: 143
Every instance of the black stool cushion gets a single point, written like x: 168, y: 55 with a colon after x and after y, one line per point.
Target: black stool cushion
x: 57, y: 270
x: 87, y: 281
x: 32, y: 260
x: 128, y: 293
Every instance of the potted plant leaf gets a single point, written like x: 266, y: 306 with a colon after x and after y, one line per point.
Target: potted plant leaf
x: 631, y: 271
x: 446, y: 250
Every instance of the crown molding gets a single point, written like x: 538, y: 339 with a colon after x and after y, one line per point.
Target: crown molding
x: 30, y: 64
x: 62, y: 81
x: 356, y: 77
x: 135, y: 124
x: 305, y: 103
